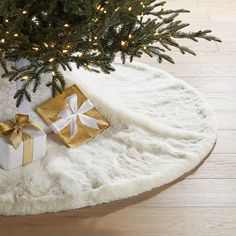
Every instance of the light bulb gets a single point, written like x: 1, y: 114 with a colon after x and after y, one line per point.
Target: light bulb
x: 26, y: 77
x: 35, y: 48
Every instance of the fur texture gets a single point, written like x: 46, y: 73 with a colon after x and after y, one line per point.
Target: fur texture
x: 160, y: 129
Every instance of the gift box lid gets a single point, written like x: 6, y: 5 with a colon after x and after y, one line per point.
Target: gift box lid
x: 71, y: 111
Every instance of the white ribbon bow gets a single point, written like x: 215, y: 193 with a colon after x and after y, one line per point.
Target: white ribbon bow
x: 71, y: 114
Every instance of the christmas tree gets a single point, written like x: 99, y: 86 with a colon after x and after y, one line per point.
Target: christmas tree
x: 91, y: 33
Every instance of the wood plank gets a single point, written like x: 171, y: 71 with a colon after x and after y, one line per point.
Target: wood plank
x: 221, y: 102
x: 109, y: 220
x: 224, y: 16
x: 194, y: 70
x: 226, y: 142
x: 213, y: 3
x: 213, y: 85
x: 190, y: 193
x: 217, y: 166
x: 226, y: 119
x: 227, y: 46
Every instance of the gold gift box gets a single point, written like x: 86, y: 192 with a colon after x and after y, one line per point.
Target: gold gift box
x: 61, y: 111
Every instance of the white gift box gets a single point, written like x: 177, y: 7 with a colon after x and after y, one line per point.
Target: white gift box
x: 11, y: 158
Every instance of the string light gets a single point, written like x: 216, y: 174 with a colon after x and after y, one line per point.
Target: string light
x: 15, y: 35
x: 6, y: 20
x: 46, y: 45
x: 144, y: 47
x: 53, y: 73
x: 130, y: 9
x: 66, y: 25
x: 130, y: 36
x: 2, y: 40
x: 123, y: 43
x: 35, y: 48
x: 26, y: 77
x: 64, y: 50
x: 24, y: 12
x: 51, y: 59
x: 142, y: 4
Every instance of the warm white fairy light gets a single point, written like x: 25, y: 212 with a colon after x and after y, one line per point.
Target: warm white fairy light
x: 130, y: 9
x: 26, y: 77
x: 142, y: 4
x: 64, y: 50
x: 66, y: 25
x: 2, y: 40
x: 123, y: 43
x: 53, y: 73
x: 24, y: 12
x: 15, y: 35
x: 51, y: 59
x: 35, y: 48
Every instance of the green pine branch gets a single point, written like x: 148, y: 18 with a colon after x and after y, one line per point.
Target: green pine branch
x: 89, y: 33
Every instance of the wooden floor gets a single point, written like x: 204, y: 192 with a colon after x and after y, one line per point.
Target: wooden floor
x: 203, y: 203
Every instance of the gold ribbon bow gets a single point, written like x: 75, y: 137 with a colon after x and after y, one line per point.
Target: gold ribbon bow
x: 14, y: 129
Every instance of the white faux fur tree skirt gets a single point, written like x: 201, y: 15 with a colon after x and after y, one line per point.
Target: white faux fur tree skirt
x: 160, y: 129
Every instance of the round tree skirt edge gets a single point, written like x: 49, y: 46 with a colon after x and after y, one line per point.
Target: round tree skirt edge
x: 161, y: 128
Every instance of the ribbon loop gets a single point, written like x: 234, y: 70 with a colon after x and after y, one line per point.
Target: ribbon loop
x: 14, y: 128
x: 72, y: 114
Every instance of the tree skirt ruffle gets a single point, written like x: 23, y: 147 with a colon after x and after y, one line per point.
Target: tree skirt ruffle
x: 160, y: 129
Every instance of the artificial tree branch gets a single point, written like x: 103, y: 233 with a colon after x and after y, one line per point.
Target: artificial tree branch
x: 89, y: 33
